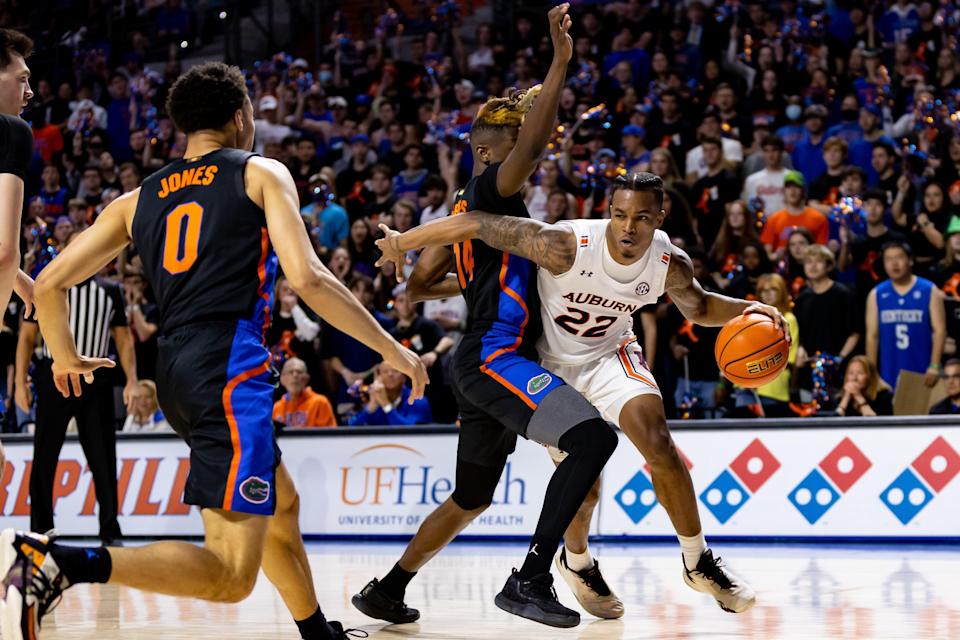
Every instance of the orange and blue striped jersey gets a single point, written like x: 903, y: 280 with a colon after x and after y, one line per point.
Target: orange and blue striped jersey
x: 500, y: 289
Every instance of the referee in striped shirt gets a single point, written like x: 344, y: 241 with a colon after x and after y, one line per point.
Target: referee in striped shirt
x: 97, y: 313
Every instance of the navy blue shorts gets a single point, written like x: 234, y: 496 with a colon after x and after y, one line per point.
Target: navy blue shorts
x: 215, y: 385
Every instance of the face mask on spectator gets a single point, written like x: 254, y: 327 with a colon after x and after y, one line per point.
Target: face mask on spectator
x: 849, y: 114
x: 326, y: 76
x: 794, y: 111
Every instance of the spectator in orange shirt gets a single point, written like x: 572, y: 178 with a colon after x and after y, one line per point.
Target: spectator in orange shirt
x: 301, y: 406
x: 777, y: 228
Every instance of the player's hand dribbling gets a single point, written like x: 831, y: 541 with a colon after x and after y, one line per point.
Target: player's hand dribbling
x: 774, y: 314
x: 66, y: 377
x: 388, y: 246
x: 409, y: 364
x: 560, y: 24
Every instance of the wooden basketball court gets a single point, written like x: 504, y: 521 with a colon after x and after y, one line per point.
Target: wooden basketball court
x: 810, y: 592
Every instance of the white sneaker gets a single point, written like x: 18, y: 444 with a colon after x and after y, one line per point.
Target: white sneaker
x: 31, y: 584
x: 590, y: 588
x: 712, y: 577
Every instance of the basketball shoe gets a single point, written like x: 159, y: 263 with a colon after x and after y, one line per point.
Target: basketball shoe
x: 590, y: 588
x: 346, y: 634
x: 32, y: 583
x: 535, y: 599
x: 376, y: 603
x: 712, y: 577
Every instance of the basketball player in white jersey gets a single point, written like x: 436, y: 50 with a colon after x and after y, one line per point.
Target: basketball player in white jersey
x: 594, y: 274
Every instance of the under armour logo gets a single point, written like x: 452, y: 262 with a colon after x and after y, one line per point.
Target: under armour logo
x: 589, y: 274
x: 533, y: 550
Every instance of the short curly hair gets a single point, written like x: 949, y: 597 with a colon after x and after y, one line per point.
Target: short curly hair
x: 13, y: 42
x: 206, y: 97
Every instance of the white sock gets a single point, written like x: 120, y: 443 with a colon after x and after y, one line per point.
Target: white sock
x: 579, y: 561
x: 692, y: 547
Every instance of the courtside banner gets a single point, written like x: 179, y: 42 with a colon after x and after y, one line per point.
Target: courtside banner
x: 856, y: 482
x: 352, y: 485
x: 382, y: 485
x: 151, y: 477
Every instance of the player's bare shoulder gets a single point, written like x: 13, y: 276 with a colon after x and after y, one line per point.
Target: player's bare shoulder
x: 264, y: 174
x: 126, y: 206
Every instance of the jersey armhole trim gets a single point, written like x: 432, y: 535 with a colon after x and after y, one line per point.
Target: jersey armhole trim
x: 667, y: 248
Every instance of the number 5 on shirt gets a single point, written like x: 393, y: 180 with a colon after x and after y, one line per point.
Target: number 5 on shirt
x: 903, y: 337
x: 180, y: 245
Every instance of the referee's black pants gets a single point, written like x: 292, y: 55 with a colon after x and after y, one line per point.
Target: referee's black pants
x: 98, y: 437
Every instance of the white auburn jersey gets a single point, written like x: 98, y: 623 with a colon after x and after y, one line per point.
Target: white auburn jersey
x: 587, y: 311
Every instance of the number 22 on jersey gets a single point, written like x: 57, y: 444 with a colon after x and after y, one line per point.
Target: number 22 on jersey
x: 182, y: 237
x: 571, y: 323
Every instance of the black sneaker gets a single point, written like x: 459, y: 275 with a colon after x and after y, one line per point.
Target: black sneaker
x: 535, y: 599
x: 376, y: 603
x: 31, y: 584
x: 345, y: 634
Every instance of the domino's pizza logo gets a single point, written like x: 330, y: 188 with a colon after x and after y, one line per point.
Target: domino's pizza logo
x: 736, y: 484
x: 637, y: 497
x: 918, y: 484
x: 825, y: 485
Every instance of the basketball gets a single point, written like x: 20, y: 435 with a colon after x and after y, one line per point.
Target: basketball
x: 751, y: 351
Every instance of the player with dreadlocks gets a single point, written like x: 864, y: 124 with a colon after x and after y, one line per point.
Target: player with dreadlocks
x: 501, y: 390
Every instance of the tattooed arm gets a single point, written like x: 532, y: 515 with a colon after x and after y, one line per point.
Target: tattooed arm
x: 706, y: 307
x: 551, y: 247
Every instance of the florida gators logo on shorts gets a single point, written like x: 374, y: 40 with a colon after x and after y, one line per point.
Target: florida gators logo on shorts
x: 255, y: 490
x: 538, y: 383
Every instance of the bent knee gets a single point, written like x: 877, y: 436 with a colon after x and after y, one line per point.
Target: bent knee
x: 658, y: 447
x: 593, y: 437
x: 472, y: 503
x: 288, y: 505
x: 609, y: 440
x: 234, y: 586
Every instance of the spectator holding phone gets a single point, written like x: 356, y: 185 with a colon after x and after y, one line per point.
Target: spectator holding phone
x: 388, y: 403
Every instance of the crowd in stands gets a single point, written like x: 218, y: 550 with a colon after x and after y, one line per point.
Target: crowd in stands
x: 810, y: 155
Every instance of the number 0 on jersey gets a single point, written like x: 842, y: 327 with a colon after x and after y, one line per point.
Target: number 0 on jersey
x: 180, y: 246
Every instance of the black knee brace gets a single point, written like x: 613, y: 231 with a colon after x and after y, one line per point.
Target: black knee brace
x: 593, y: 438
x: 475, y: 485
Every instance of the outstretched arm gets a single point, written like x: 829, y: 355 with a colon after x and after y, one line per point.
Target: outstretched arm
x: 552, y: 247
x: 312, y: 280
x: 538, y: 124
x: 81, y: 260
x: 706, y: 307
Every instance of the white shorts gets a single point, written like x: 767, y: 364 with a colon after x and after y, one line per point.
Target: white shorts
x: 609, y: 382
